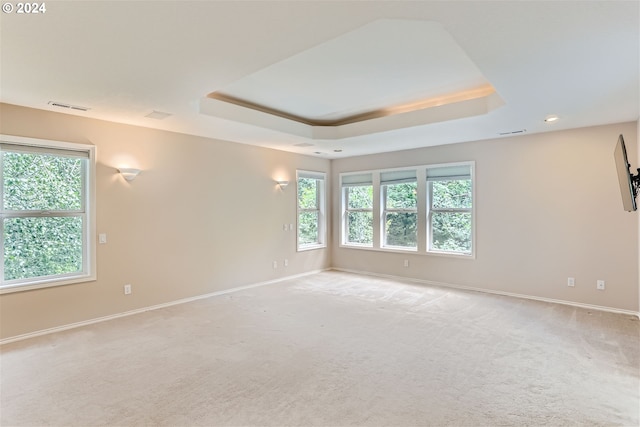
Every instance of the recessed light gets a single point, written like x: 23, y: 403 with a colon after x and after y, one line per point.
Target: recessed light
x: 550, y: 119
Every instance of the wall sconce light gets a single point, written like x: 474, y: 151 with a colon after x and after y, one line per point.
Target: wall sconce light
x: 129, y: 173
x: 283, y: 184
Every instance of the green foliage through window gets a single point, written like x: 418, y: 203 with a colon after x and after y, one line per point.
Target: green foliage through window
x: 401, y: 217
x: 310, y: 211
x: 451, y: 216
x: 436, y: 215
x: 41, y: 182
x: 359, y: 215
x: 47, y: 246
x: 43, y: 214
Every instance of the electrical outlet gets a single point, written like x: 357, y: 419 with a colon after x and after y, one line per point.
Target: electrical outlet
x: 600, y: 285
x: 286, y: 263
x: 571, y: 281
x: 127, y: 289
x: 102, y: 238
x: 406, y: 263
x: 275, y: 264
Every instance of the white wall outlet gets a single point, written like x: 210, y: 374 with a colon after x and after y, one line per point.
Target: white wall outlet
x: 600, y: 285
x: 571, y: 281
x: 102, y: 238
x: 286, y: 262
x: 275, y: 264
x: 127, y: 289
x: 291, y: 227
x: 285, y: 227
x: 406, y: 263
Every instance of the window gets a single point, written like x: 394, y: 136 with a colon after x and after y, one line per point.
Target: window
x: 425, y: 209
x: 399, y: 191
x: 357, y: 191
x: 46, y: 213
x: 450, y: 215
x: 311, y: 211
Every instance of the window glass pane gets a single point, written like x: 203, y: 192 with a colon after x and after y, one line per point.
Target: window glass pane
x: 35, y: 181
x: 452, y: 194
x: 360, y: 228
x: 402, y: 196
x: 308, y: 193
x: 451, y: 231
x: 308, y: 228
x: 42, y: 246
x: 400, y: 229
x: 360, y: 197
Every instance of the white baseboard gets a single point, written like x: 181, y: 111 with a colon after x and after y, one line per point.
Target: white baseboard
x: 270, y: 282
x: 489, y: 291
x: 149, y: 308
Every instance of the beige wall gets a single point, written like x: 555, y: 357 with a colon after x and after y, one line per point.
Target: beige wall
x: 204, y: 215
x: 548, y: 207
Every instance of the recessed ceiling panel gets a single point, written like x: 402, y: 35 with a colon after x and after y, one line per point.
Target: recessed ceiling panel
x: 384, y: 68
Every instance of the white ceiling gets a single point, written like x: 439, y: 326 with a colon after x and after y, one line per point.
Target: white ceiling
x: 126, y: 59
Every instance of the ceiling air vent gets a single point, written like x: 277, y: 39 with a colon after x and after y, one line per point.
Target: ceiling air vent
x: 158, y: 115
x: 72, y: 107
x: 513, y: 132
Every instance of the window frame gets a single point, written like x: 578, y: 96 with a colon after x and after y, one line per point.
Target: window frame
x: 348, y: 181
x: 423, y: 224
x: 87, y: 212
x: 385, y: 211
x: 431, y: 210
x: 321, y: 178
x: 347, y: 210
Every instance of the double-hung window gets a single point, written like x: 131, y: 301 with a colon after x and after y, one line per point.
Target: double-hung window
x: 399, y: 194
x: 357, y: 193
x: 427, y: 209
x: 46, y: 213
x: 450, y: 209
x: 311, y: 210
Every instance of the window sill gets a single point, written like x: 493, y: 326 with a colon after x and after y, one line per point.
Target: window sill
x: 48, y: 283
x: 411, y: 251
x: 311, y: 247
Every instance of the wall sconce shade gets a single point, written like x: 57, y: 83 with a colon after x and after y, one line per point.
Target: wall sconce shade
x: 129, y: 173
x: 283, y: 184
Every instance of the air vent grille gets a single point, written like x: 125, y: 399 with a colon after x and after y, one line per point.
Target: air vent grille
x: 69, y: 106
x: 158, y: 115
x: 513, y: 132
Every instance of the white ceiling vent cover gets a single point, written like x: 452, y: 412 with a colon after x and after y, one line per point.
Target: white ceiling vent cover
x: 69, y: 106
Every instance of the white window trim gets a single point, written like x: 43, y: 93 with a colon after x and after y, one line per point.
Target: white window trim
x: 422, y: 209
x: 430, y: 250
x: 383, y: 216
x: 89, y: 231
x: 346, y: 210
x: 322, y: 216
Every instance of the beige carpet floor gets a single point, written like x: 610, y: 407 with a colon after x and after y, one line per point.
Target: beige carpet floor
x: 333, y: 349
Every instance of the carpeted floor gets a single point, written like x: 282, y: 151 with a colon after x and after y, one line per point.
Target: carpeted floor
x: 333, y: 349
